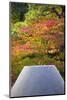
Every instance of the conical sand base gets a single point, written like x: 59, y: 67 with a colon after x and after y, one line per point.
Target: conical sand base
x: 38, y: 80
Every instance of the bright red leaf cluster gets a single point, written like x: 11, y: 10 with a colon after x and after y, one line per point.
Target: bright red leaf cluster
x: 35, y: 32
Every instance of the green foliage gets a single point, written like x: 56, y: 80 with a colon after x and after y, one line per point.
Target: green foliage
x: 31, y: 15
x: 17, y: 26
x: 37, y: 11
x: 61, y: 28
